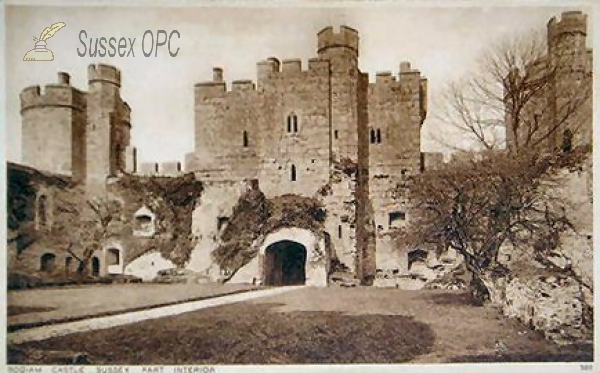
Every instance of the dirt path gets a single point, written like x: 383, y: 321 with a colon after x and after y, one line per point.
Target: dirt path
x: 35, y: 307
x: 105, y: 322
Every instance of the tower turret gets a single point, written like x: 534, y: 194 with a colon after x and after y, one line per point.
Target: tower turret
x: 572, y: 83
x: 53, y: 127
x: 346, y: 38
x: 107, y: 127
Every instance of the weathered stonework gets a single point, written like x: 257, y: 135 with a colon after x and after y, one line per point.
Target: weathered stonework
x: 75, y: 133
x: 564, y: 102
x: 323, y: 129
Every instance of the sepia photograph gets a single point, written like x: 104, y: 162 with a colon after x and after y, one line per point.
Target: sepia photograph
x: 217, y: 186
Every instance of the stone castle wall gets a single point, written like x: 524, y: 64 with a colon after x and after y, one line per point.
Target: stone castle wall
x: 564, y: 102
x: 76, y: 133
x: 295, y: 128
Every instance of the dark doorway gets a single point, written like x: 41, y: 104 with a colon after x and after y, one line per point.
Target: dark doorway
x: 47, y: 262
x: 95, y: 266
x: 285, y: 263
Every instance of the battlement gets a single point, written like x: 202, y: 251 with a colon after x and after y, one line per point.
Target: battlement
x: 347, y: 37
x: 61, y: 94
x: 291, y: 66
x: 572, y: 22
x: 407, y: 77
x: 172, y: 168
x: 105, y: 74
x: 266, y: 69
x: 384, y: 77
x: 271, y: 67
x: 243, y: 85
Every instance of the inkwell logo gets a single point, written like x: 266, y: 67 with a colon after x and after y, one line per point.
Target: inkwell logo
x: 40, y: 52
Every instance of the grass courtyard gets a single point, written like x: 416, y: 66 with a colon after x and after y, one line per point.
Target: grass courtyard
x: 318, y: 325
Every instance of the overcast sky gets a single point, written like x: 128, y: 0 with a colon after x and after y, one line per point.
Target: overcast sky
x: 443, y: 42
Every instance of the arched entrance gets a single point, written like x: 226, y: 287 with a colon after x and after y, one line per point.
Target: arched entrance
x: 95, y: 266
x: 47, y: 262
x: 285, y: 264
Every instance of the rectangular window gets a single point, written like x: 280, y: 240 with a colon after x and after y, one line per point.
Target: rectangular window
x: 396, y: 218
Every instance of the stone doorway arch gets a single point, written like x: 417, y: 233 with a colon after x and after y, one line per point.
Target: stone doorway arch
x: 285, y: 264
x: 293, y: 256
x: 95, y: 266
x: 48, y: 262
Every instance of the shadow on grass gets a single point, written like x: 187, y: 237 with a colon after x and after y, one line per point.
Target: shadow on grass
x: 452, y: 299
x: 245, y: 334
x: 19, y: 310
x: 571, y: 353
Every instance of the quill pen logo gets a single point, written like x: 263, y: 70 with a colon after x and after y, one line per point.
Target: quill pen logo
x: 40, y: 52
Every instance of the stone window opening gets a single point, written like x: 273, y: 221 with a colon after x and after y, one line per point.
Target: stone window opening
x: 339, y: 231
x: 68, y: 263
x: 144, y: 223
x: 245, y: 139
x: 395, y: 218
x: 335, y: 134
x: 417, y: 255
x: 293, y: 173
x: 567, y: 141
x: 375, y: 135
x: 222, y: 222
x: 292, y: 123
x: 42, y: 213
x: 48, y: 262
x: 114, y: 257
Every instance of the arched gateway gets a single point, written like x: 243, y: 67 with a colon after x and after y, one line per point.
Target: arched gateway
x: 284, y: 264
x: 287, y: 256
x: 293, y: 256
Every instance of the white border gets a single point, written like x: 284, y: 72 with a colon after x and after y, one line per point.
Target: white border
x: 488, y: 367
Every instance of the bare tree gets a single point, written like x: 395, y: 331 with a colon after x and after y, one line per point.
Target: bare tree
x: 83, y: 226
x: 475, y: 207
x: 511, y: 99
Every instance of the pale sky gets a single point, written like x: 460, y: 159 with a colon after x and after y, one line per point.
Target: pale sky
x: 442, y: 42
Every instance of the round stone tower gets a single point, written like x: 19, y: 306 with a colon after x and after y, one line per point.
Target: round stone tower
x: 104, y: 111
x: 53, y: 127
x: 571, y: 93
x: 340, y: 48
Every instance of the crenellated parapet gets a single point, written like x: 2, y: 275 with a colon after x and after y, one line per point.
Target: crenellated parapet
x: 105, y: 74
x: 572, y: 22
x: 270, y: 68
x: 163, y: 169
x: 61, y: 94
x: 409, y: 82
x: 347, y: 37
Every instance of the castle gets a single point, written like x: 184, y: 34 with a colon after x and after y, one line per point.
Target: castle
x: 559, y: 113
x: 323, y: 131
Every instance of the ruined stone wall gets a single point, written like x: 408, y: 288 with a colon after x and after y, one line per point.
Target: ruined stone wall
x: 244, y: 133
x: 34, y: 215
x: 307, y: 132
x: 209, y: 219
x: 396, y: 113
